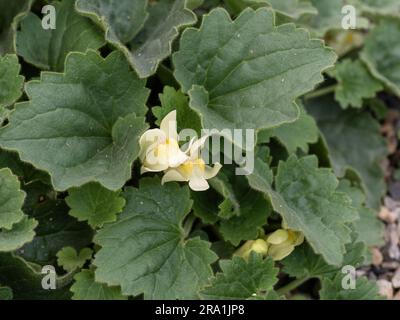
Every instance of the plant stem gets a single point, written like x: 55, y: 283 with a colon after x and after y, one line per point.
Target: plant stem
x: 321, y: 92
x: 189, y: 223
x: 292, y: 285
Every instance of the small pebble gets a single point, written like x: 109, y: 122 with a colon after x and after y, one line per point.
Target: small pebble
x: 391, y: 204
x: 396, y: 279
x: 385, y: 288
x: 377, y: 257
x: 386, y: 215
x: 391, y: 265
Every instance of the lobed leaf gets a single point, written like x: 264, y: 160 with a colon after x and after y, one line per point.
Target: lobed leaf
x: 236, y: 77
x: 349, y: 154
x: 86, y: 288
x: 381, y: 54
x: 241, y: 279
x: 11, y: 82
x: 80, y: 126
x: 307, y: 198
x: 142, y: 249
x: 154, y: 41
x: 95, y: 204
x: 47, y: 49
x: 354, y: 83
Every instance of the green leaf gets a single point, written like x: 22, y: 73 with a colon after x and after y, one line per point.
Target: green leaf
x: 11, y: 82
x: 292, y: 9
x: 252, y: 208
x: 8, y: 11
x: 241, y: 279
x: 329, y: 17
x: 22, y: 232
x: 69, y: 259
x: 303, y: 262
x: 48, y: 49
x: 122, y: 21
x: 154, y: 42
x: 230, y: 206
x: 369, y: 228
x: 381, y: 7
x: 25, y: 171
x: 354, y: 83
x: 16, y: 228
x: 56, y: 228
x: 360, y: 148
x: 205, y: 205
x: 86, y: 288
x: 172, y: 99
x: 235, y: 77
x: 25, y: 280
x: 11, y: 199
x: 80, y: 126
x: 307, y: 198
x: 142, y: 249
x: 296, y: 135
x: 364, y: 290
x: 95, y: 204
x: 381, y: 53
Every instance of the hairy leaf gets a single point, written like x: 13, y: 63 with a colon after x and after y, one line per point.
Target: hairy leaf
x: 241, y: 279
x: 154, y: 42
x: 295, y: 135
x: 349, y: 153
x: 56, y: 228
x: 303, y: 262
x: 364, y: 289
x: 25, y: 280
x: 80, y: 126
x: 236, y: 78
x: 47, y: 49
x: 70, y: 260
x: 329, y: 17
x: 354, y: 83
x: 307, y: 198
x: 368, y: 227
x: 86, y: 288
x: 95, y: 204
x: 381, y: 53
x: 11, y: 199
x: 21, y: 232
x: 10, y: 81
x: 8, y: 11
x: 142, y: 249
x: 172, y: 99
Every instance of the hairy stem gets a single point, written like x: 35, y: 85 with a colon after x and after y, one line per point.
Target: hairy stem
x: 321, y: 92
x: 187, y: 227
x: 292, y: 285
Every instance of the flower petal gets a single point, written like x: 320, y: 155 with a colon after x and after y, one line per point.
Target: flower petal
x: 196, y: 147
x: 280, y: 251
x: 172, y: 175
x: 211, y: 172
x: 150, y: 138
x: 198, y: 183
x: 169, y: 127
x: 176, y: 157
x: 278, y: 237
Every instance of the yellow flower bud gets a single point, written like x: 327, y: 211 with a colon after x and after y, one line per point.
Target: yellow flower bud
x: 259, y: 246
x: 277, y: 237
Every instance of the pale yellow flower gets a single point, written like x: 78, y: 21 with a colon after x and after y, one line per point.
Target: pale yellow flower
x: 282, y: 243
x: 193, y: 170
x: 259, y: 246
x: 159, y: 148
